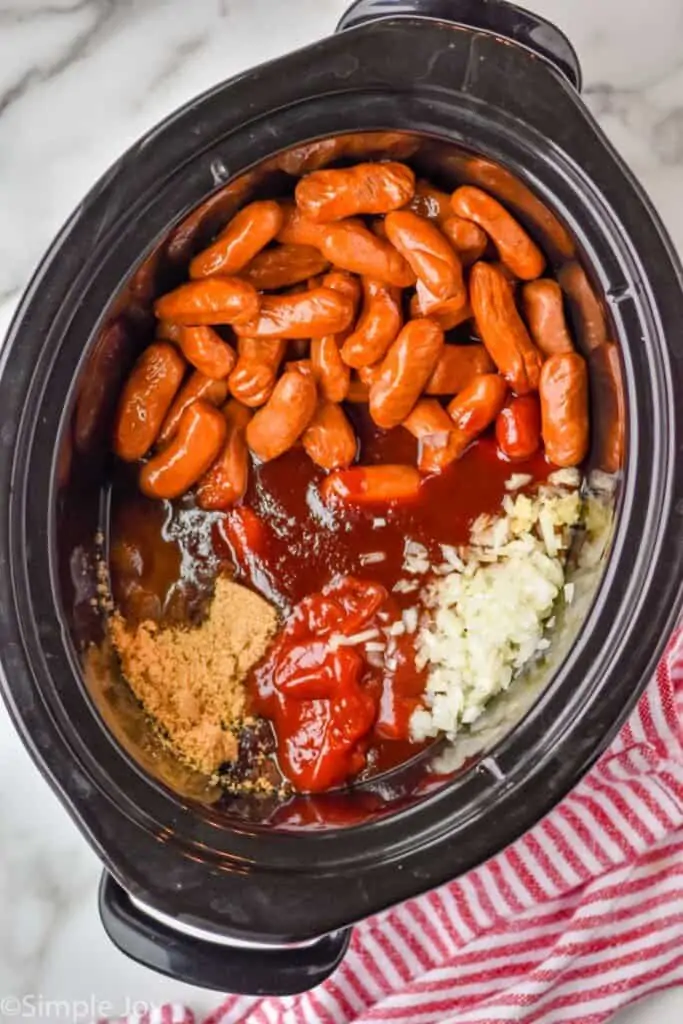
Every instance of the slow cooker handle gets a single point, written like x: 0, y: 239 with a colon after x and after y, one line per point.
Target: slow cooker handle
x: 255, y: 971
x: 498, y: 16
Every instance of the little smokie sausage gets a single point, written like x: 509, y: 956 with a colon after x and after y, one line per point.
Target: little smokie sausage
x: 146, y: 398
x: 502, y: 330
x: 206, y: 351
x: 226, y: 481
x: 197, y: 387
x: 284, y: 417
x: 432, y: 426
x: 253, y: 379
x: 368, y: 485
x: 380, y: 321
x: 518, y: 428
x: 515, y: 248
x: 168, y: 331
x: 428, y: 419
x: 407, y: 367
x: 466, y: 237
x: 448, y: 314
x: 430, y: 202
x: 100, y: 388
x: 298, y: 229
x: 456, y: 367
x: 310, y: 156
x: 365, y: 189
x: 349, y: 245
x: 283, y: 266
x: 477, y: 405
x: 564, y: 409
x: 248, y: 232
x: 196, y: 444
x: 346, y: 284
x: 608, y: 407
x: 429, y: 253
x: 218, y: 300
x: 544, y: 312
x: 300, y: 365
x: 329, y: 439
x: 329, y: 369
x: 507, y: 187
x: 588, y: 315
x: 369, y: 374
x: 305, y: 315
x: 471, y: 412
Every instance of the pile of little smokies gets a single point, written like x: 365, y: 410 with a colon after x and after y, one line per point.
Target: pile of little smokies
x: 347, y: 294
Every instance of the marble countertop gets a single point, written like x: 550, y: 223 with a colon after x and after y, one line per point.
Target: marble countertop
x: 80, y: 80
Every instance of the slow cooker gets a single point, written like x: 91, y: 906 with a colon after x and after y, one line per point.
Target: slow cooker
x: 221, y: 893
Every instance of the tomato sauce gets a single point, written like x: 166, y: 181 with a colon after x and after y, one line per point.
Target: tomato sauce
x: 337, y: 711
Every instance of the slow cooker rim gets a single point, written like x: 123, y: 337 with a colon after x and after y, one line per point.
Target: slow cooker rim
x: 328, y: 133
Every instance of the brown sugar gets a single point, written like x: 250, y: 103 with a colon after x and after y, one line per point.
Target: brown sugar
x: 191, y: 680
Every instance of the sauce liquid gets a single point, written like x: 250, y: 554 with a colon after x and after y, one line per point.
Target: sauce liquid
x: 164, y: 557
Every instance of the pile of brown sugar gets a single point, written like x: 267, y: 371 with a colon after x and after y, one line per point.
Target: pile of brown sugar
x: 191, y: 679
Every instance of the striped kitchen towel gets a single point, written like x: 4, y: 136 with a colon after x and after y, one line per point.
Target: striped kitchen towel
x: 581, y: 916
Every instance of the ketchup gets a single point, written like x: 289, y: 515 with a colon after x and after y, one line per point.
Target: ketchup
x: 325, y: 699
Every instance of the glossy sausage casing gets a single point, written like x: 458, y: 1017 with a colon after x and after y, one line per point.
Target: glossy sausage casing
x: 456, y: 367
x: 217, y: 300
x: 247, y: 233
x: 196, y: 387
x: 430, y: 202
x: 518, y: 428
x: 429, y: 253
x: 608, y: 413
x: 346, y: 284
x: 544, y: 312
x: 448, y: 314
x: 515, y: 248
x: 471, y: 412
x: 502, y: 329
x: 407, y: 367
x: 564, y: 409
x: 284, y: 417
x: 283, y: 266
x: 432, y: 426
x: 196, y: 444
x: 206, y: 351
x: 329, y: 369
x: 145, y: 400
x: 226, y: 481
x: 350, y: 245
x: 298, y: 229
x: 370, y: 485
x: 253, y: 379
x: 466, y: 237
x: 329, y: 439
x: 310, y: 314
x: 331, y: 373
x: 380, y: 321
x: 365, y: 189
x: 588, y: 315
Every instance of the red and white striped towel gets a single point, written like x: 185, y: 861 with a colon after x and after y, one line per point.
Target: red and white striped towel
x: 581, y: 916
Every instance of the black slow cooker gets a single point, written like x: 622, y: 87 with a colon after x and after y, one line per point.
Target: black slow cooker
x: 218, y: 893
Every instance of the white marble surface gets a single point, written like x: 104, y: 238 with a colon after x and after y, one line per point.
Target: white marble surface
x: 79, y: 81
